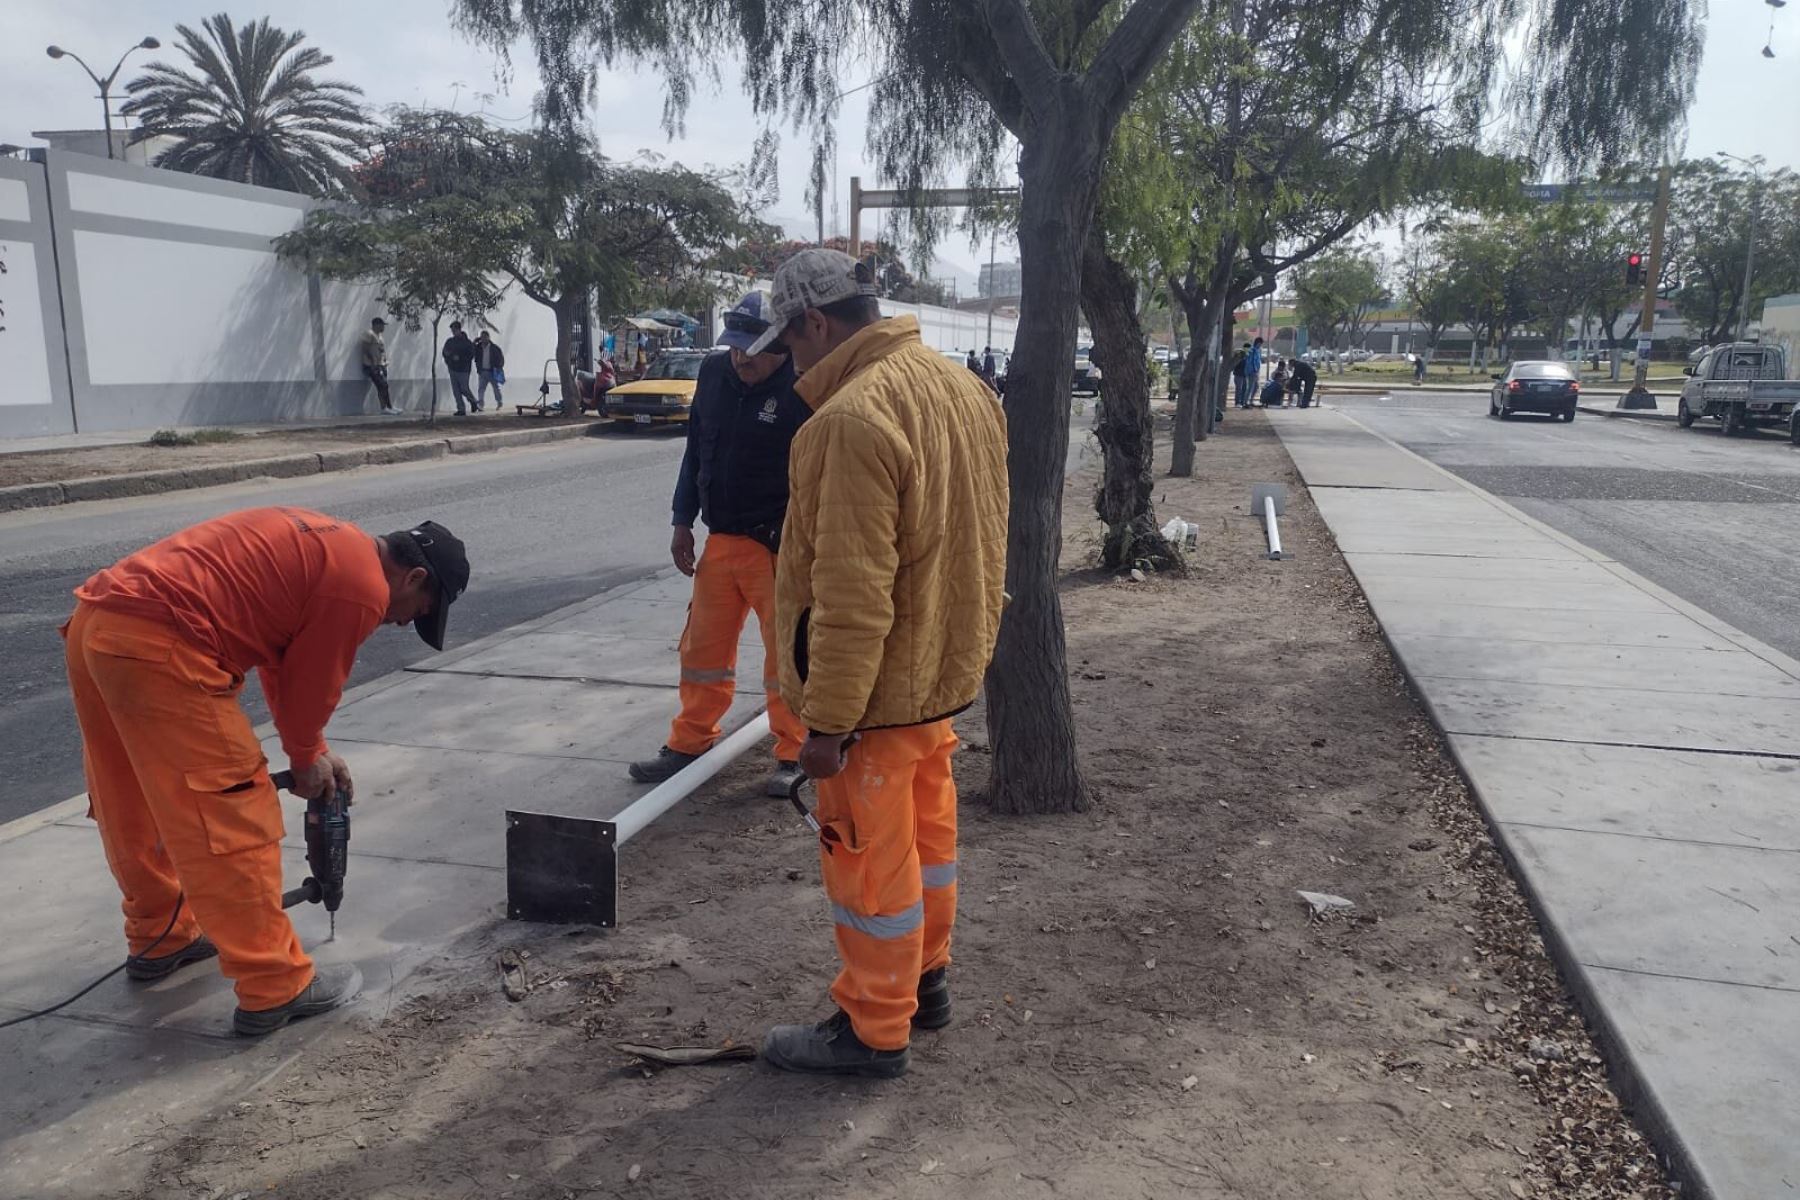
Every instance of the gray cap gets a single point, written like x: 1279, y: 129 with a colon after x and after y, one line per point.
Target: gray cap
x: 811, y: 279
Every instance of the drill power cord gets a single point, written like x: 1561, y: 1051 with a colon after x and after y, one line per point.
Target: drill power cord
x: 180, y: 900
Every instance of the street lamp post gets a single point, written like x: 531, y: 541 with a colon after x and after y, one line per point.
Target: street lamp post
x: 1755, y: 165
x: 105, y: 85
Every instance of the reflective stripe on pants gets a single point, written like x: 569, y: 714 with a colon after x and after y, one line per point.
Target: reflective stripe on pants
x: 178, y: 786
x: 888, y: 856
x: 735, y: 576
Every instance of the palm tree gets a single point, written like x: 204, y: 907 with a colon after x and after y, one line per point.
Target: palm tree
x: 251, y: 110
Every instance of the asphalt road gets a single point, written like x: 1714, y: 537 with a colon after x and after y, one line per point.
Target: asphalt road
x: 1715, y: 521
x: 545, y: 527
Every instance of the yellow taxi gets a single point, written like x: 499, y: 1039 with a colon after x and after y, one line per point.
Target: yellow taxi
x: 664, y: 396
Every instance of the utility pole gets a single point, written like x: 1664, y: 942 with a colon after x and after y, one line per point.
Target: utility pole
x: 993, y: 243
x: 1639, y: 396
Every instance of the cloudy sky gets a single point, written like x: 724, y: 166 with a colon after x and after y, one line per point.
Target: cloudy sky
x: 404, y: 51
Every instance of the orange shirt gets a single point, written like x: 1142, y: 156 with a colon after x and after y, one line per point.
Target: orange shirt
x: 290, y: 592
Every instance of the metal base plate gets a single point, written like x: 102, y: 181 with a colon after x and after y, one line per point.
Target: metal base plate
x: 561, y: 870
x: 1259, y: 490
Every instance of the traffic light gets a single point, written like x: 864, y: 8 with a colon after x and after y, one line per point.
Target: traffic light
x: 1634, y: 270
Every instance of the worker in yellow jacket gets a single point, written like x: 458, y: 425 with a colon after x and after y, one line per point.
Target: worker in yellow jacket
x: 889, y: 588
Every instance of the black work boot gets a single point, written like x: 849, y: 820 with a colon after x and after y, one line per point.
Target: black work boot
x: 782, y: 779
x: 830, y: 1048
x: 665, y: 765
x: 149, y: 970
x: 934, y: 1000
x: 331, y: 987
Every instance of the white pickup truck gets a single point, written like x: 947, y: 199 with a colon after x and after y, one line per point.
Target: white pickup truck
x: 1743, y: 384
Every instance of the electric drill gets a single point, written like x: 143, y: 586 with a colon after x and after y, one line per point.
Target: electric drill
x: 327, y: 849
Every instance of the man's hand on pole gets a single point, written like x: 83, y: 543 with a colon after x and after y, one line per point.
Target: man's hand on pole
x: 681, y: 549
x: 823, y: 755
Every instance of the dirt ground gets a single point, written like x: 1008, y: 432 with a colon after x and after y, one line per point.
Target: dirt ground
x: 87, y: 462
x: 1144, y: 1007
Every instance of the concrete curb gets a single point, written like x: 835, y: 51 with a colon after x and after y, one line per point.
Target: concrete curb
x: 175, y: 479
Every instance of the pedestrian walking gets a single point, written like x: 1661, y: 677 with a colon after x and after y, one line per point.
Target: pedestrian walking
x: 734, y: 477
x: 490, y: 365
x: 987, y: 365
x: 375, y: 362
x: 1418, y: 366
x: 459, y: 359
x: 888, y: 596
x: 1240, y: 377
x: 157, y: 651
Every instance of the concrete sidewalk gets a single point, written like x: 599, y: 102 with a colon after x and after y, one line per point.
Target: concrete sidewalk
x: 542, y: 717
x: 1637, y: 759
x: 134, y: 437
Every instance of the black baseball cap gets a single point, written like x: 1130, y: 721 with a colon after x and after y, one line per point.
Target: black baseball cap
x: 449, y: 566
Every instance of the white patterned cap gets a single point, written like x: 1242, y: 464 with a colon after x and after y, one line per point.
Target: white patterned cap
x: 812, y: 278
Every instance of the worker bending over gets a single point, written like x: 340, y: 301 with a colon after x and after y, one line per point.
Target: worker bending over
x: 888, y: 598
x: 734, y: 476
x: 158, y: 649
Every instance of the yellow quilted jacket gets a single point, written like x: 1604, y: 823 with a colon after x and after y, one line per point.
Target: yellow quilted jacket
x: 893, y: 559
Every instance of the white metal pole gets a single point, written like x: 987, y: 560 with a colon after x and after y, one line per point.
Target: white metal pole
x: 1274, y: 533
x: 666, y: 795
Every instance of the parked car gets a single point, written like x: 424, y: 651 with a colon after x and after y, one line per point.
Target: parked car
x: 1538, y: 386
x: 1087, y: 374
x: 664, y: 396
x: 1743, y: 384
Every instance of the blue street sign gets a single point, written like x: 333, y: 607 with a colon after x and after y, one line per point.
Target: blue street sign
x: 1603, y: 193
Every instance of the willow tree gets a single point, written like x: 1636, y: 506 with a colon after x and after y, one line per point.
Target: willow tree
x: 957, y: 78
x: 1275, y: 129
x: 961, y: 76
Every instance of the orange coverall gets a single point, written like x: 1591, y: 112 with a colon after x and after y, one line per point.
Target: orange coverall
x: 888, y: 846
x: 157, y: 652
x: 735, y: 576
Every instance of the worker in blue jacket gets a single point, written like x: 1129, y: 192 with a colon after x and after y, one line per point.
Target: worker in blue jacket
x: 734, y: 477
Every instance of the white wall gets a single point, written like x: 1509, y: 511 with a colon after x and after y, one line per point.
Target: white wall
x: 163, y: 312
x: 956, y: 329
x: 34, y: 368
x: 24, y: 359
x: 180, y: 313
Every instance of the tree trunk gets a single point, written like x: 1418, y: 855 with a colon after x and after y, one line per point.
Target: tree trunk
x: 1030, y: 718
x: 1218, y: 376
x: 567, y: 308
x: 1187, y: 408
x: 1126, y: 427
x: 436, y: 320
x: 1197, y: 406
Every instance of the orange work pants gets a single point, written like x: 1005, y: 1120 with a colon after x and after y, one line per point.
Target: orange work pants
x: 178, y: 785
x: 888, y: 854
x: 735, y: 575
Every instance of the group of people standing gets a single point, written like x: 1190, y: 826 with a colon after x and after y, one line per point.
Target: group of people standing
x: 1291, y: 377
x: 463, y: 356
x: 853, y: 484
x: 984, y: 367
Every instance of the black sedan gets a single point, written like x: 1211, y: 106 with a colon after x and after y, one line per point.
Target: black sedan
x: 1535, y: 387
